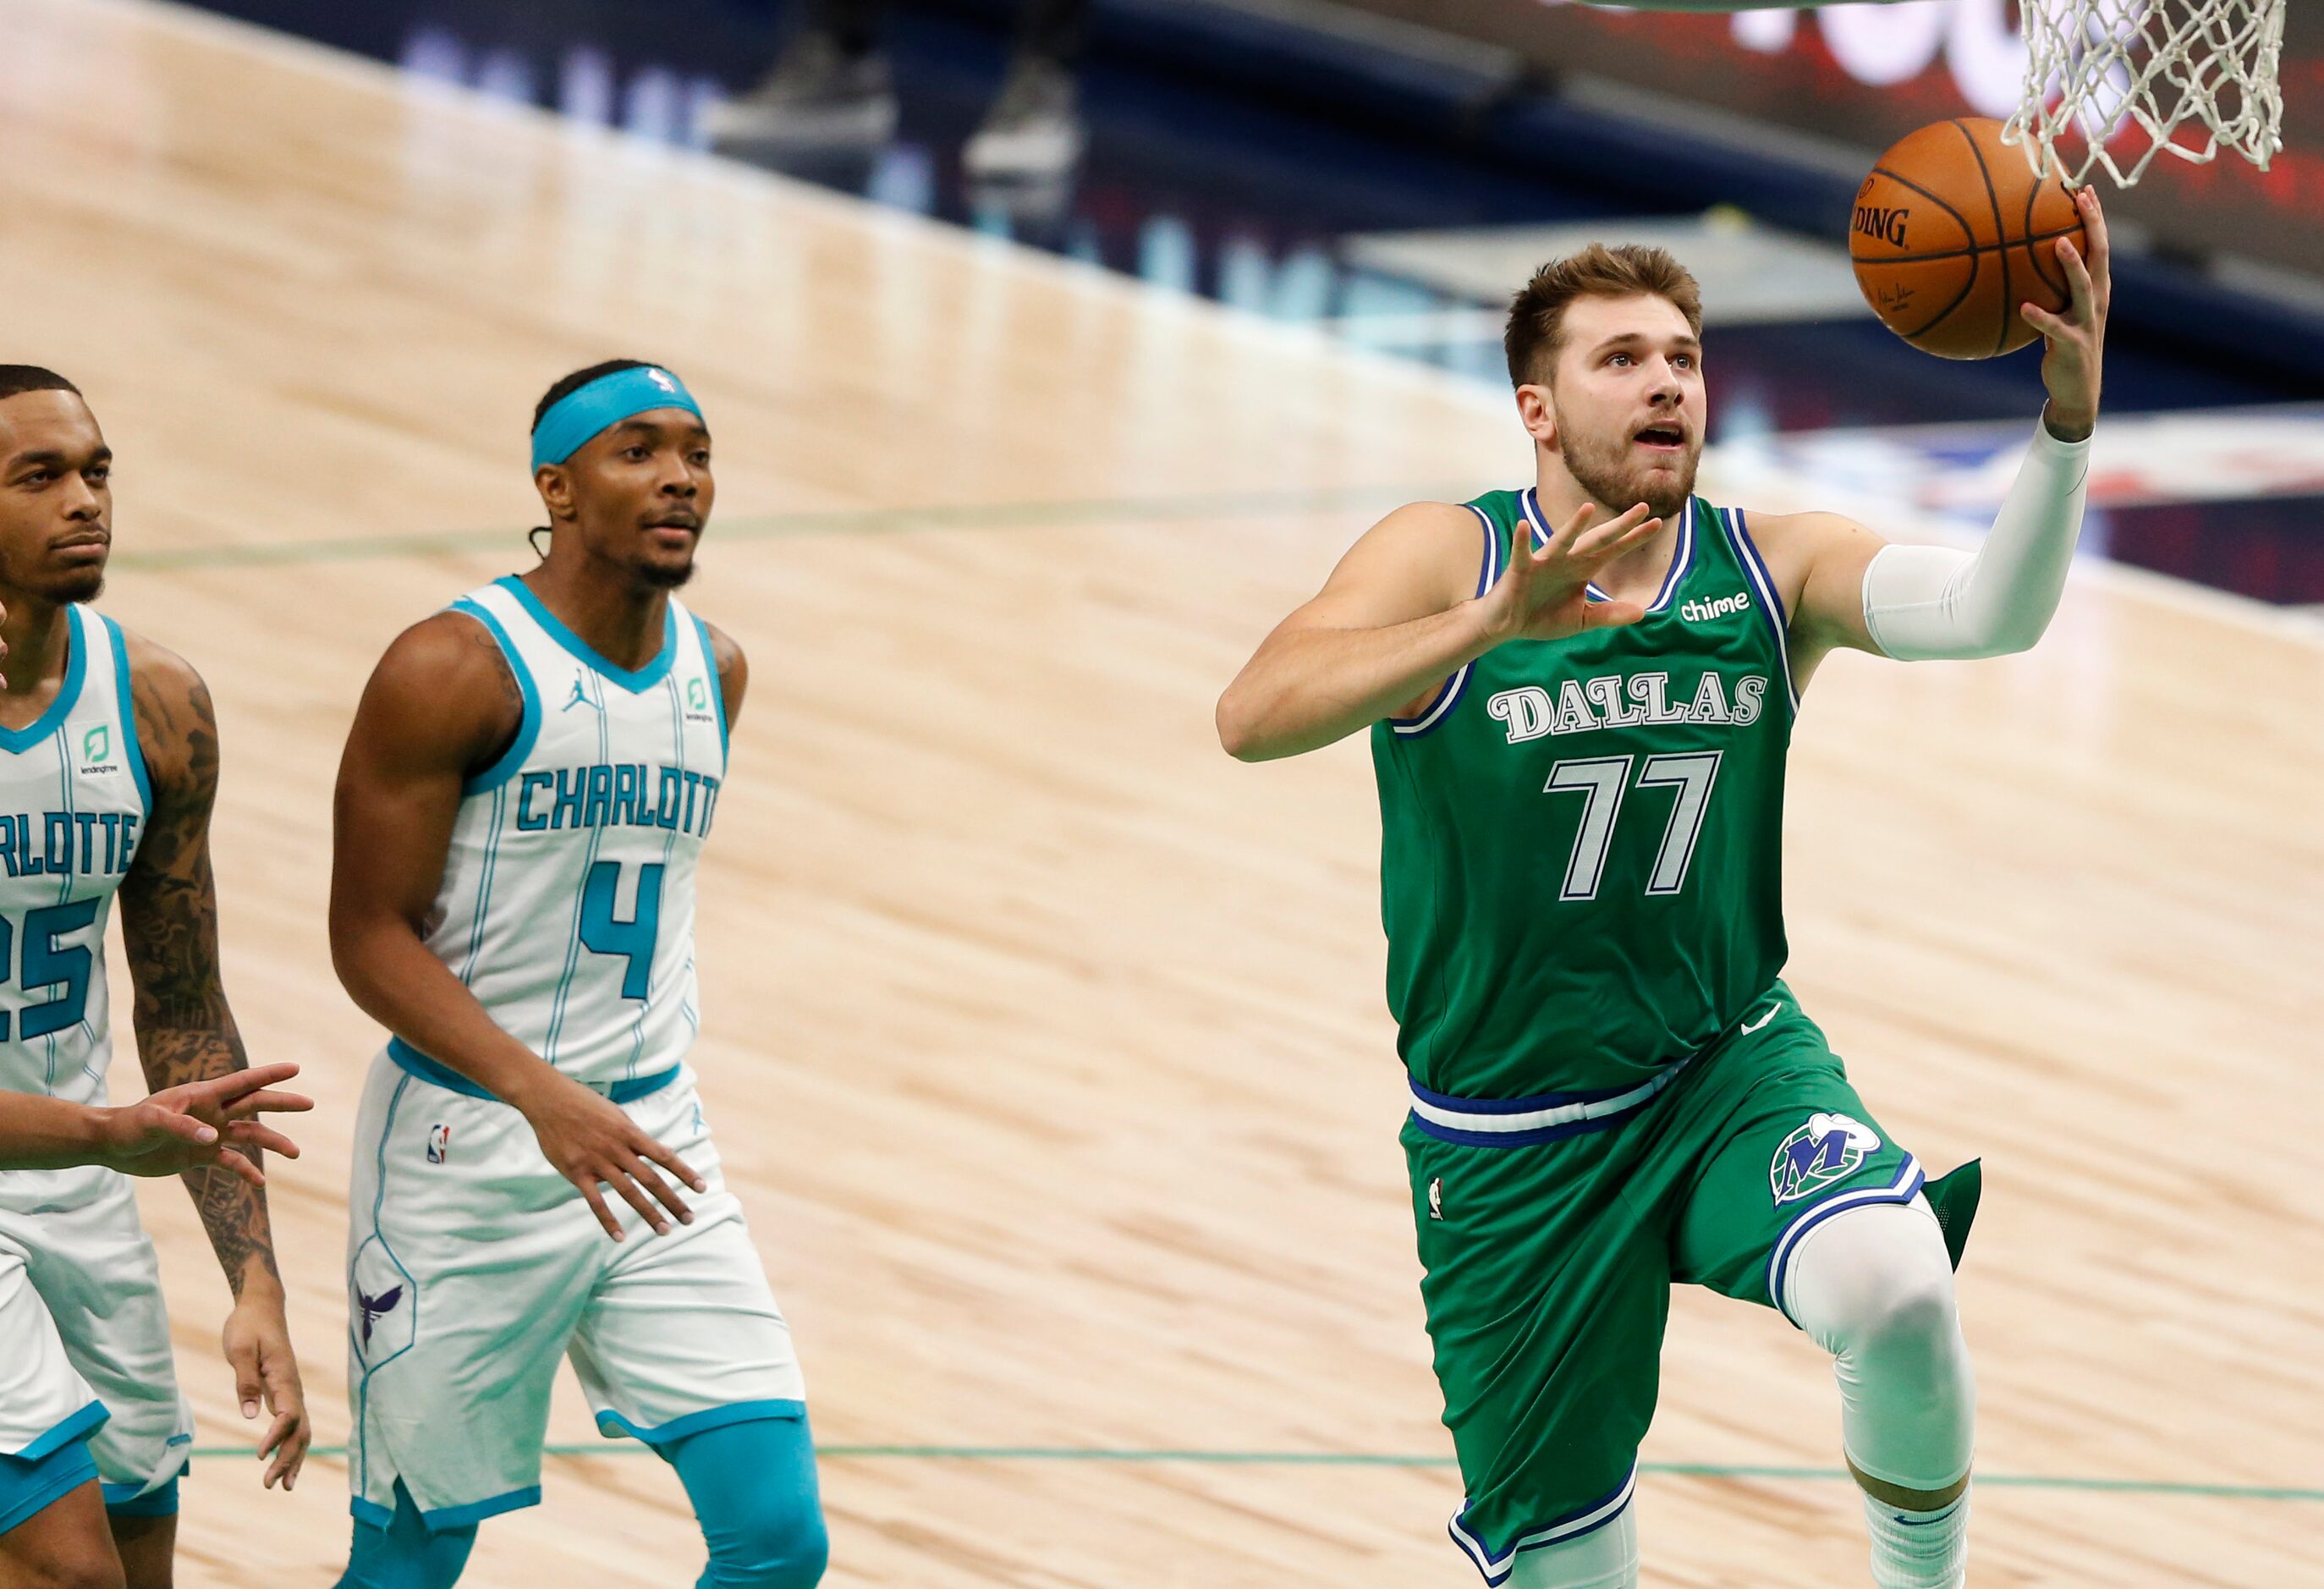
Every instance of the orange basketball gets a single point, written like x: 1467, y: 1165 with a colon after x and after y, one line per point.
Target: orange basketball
x: 1952, y: 233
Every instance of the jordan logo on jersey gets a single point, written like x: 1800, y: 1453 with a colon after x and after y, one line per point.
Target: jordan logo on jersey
x: 579, y: 697
x: 1826, y: 1149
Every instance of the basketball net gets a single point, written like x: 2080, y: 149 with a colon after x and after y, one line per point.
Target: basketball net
x: 2115, y: 83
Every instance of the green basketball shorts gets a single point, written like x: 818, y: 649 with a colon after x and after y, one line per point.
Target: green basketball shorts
x: 1551, y: 1230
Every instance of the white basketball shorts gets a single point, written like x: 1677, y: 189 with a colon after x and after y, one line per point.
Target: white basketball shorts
x: 473, y: 1266
x: 84, y: 1334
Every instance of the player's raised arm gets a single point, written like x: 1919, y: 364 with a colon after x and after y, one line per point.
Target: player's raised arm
x: 440, y: 706
x: 186, y: 1033
x: 1928, y: 603
x: 1402, y: 613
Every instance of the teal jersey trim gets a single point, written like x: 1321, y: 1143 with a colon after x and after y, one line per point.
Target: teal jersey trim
x: 717, y: 691
x: 636, y: 682
x: 79, y: 1426
x: 447, y: 1517
x: 361, y: 1466
x: 135, y: 1501
x: 28, y: 1488
x: 18, y: 741
x: 437, y: 1074
x: 528, y: 730
x: 614, y: 1426
x: 133, y: 750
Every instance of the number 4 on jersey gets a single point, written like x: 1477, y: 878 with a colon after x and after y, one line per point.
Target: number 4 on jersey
x: 601, y: 934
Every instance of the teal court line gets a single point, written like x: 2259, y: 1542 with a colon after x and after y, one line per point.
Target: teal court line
x: 1051, y: 514
x: 1687, y: 1470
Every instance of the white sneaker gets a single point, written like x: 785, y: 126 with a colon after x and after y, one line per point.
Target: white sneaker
x: 817, y: 95
x: 1034, y: 128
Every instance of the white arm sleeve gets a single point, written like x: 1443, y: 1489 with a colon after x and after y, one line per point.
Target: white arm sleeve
x: 1924, y: 602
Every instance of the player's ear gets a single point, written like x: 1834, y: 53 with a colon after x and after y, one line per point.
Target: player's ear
x: 555, y: 483
x: 1539, y: 415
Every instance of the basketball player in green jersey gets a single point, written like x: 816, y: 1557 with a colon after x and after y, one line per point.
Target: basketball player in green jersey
x: 1580, y: 697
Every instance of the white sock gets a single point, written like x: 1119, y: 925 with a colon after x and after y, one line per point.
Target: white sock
x: 1919, y: 1549
x: 1603, y: 1558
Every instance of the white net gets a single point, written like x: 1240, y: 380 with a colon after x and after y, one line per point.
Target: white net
x: 2115, y: 83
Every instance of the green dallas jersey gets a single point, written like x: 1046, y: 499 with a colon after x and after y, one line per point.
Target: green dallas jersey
x: 1581, y: 863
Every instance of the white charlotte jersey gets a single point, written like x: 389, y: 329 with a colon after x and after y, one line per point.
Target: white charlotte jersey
x: 73, y: 801
x: 567, y: 901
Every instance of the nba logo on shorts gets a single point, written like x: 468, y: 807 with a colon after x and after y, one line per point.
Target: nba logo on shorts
x: 1829, y: 1148
x: 1436, y: 1198
x: 440, y: 1143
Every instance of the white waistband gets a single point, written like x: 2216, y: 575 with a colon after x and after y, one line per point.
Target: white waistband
x: 1498, y: 1122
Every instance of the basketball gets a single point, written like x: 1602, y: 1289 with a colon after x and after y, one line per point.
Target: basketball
x: 1953, y: 232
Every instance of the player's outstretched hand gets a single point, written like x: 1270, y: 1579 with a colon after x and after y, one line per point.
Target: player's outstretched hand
x: 2072, y: 361
x: 594, y: 1144
x: 1544, y: 595
x: 203, y: 1122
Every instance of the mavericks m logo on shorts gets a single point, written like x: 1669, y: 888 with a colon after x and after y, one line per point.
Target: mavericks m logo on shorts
x: 1827, y: 1149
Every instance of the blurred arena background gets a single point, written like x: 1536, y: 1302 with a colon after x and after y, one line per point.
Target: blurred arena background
x: 1048, y: 1045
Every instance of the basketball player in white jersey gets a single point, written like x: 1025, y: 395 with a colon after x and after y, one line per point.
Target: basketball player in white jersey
x: 108, y: 765
x: 529, y: 781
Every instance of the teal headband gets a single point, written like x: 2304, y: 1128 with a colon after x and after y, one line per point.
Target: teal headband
x: 604, y: 402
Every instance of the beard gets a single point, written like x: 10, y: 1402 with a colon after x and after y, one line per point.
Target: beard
x: 1614, y: 475
x: 656, y: 576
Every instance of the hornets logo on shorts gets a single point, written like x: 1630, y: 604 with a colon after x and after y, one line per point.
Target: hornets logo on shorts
x: 1826, y: 1150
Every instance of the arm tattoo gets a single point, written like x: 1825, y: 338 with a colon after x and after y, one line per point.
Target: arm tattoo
x: 512, y: 696
x: 169, y: 916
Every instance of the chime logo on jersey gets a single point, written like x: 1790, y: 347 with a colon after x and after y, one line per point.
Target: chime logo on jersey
x: 440, y: 1143
x: 1828, y: 1149
x: 1718, y: 606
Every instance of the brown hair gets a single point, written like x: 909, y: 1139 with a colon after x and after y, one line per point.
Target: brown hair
x: 1630, y: 270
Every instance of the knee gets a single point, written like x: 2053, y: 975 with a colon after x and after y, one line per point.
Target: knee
x: 755, y: 1490
x: 87, y: 1570
x: 1876, y: 1283
x: 782, y: 1549
x: 1908, y: 1313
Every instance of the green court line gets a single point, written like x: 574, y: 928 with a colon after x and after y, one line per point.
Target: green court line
x: 1686, y: 1470
x: 1051, y: 514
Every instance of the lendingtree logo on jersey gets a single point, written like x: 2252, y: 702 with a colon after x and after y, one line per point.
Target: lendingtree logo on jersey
x: 97, y: 748
x: 697, y: 696
x: 1826, y: 1150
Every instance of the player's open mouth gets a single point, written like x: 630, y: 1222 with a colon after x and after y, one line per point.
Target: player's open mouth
x: 1664, y: 438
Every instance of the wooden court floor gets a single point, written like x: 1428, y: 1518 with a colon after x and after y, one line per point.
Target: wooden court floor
x: 1046, y: 1044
